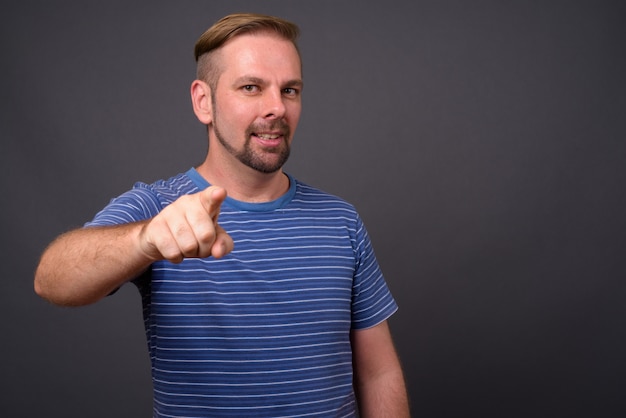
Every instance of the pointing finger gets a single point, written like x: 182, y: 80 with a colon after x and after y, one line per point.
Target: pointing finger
x: 211, y: 199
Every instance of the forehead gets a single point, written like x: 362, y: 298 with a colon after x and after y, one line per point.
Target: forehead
x: 259, y: 53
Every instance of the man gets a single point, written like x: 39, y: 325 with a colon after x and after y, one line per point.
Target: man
x: 280, y: 309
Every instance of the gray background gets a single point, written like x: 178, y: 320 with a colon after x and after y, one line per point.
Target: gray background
x: 482, y: 142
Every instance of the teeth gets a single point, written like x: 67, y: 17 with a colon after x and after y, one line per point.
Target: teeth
x: 267, y: 136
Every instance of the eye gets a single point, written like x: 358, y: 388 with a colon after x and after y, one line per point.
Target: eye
x: 291, y: 92
x: 250, y: 88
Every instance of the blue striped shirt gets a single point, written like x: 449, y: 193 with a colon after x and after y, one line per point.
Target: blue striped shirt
x: 265, y: 330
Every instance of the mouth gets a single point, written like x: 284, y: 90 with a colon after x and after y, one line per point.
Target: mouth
x: 269, y: 139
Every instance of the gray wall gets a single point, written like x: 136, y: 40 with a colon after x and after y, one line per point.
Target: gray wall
x: 482, y: 142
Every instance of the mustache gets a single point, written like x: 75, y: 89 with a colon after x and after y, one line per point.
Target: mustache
x: 275, y: 126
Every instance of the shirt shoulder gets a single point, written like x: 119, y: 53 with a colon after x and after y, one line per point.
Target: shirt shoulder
x: 144, y: 200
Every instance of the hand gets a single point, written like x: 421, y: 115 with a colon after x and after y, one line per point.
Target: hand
x: 187, y: 228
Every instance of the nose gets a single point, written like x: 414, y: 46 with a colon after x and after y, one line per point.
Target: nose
x: 273, y: 104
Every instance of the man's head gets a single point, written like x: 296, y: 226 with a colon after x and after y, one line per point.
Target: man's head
x: 208, y: 45
x: 248, y: 91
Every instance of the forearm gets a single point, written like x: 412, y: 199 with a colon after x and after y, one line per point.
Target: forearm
x: 383, y: 397
x: 378, y: 378
x: 83, y: 266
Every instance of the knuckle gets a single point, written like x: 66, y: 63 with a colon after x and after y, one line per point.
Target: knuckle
x: 189, y: 249
x: 206, y: 236
x: 171, y: 252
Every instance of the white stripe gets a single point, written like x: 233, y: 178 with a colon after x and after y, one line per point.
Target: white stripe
x: 270, y: 360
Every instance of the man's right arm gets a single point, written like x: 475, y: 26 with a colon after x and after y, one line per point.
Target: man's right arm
x: 85, y: 265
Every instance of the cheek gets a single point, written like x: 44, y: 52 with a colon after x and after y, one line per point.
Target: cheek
x: 236, y: 116
x: 293, y: 111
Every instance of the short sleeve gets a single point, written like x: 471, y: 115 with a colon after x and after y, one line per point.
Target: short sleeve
x: 372, y: 301
x: 135, y: 205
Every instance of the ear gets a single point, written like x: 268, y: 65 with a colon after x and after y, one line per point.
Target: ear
x: 201, y: 101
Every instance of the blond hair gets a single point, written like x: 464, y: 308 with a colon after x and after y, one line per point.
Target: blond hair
x: 229, y: 27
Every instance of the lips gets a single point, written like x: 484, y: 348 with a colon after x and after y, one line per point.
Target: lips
x: 269, y: 139
x: 268, y: 136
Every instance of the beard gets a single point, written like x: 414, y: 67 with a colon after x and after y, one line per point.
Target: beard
x: 265, y: 161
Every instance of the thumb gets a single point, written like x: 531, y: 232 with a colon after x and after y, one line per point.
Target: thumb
x: 211, y: 199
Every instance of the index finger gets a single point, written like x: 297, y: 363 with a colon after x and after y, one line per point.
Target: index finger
x: 211, y: 199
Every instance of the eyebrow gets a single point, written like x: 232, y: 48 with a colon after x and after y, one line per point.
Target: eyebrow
x: 295, y: 83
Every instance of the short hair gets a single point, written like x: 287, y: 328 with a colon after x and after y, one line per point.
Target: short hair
x: 231, y: 26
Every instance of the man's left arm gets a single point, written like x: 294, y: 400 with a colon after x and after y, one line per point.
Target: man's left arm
x: 378, y: 378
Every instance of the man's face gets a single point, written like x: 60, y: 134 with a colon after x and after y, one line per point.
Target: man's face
x: 257, y: 102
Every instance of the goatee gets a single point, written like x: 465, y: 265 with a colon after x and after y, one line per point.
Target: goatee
x: 255, y: 158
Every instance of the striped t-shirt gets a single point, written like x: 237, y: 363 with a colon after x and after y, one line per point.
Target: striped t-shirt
x: 265, y: 330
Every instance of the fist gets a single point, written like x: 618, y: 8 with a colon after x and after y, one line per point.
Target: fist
x: 187, y: 228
